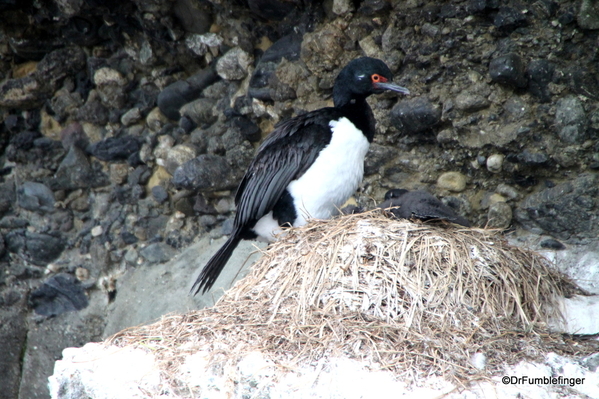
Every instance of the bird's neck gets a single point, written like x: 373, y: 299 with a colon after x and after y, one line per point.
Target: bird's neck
x: 360, y: 114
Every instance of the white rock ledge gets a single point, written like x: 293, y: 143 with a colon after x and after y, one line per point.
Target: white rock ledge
x: 107, y: 372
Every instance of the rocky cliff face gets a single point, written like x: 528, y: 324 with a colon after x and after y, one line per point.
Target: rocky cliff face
x: 126, y: 127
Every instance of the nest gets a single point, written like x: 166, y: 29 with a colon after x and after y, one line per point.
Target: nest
x: 414, y: 298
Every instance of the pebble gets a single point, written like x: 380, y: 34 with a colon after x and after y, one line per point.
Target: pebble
x: 42, y: 248
x: 499, y: 215
x: 341, y: 7
x: 82, y: 274
x: 158, y: 252
x: 178, y: 155
x: 159, y: 194
x: 509, y: 19
x: 234, y: 64
x: 206, y: 172
x: 200, y: 111
x: 508, y: 69
x: 415, y: 115
x: 508, y: 191
x: 58, y: 294
x: 495, y: 163
x: 36, y: 197
x: 131, y: 117
x: 551, y: 243
x: 156, y: 120
x: 533, y: 158
x: 118, y: 173
x: 174, y: 96
x: 570, y: 119
x: 97, y: 231
x: 452, y: 181
x: 115, y: 148
x: 540, y: 74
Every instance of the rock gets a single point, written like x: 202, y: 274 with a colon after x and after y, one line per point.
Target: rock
x: 274, y: 10
x: 177, y: 94
x: 499, y: 215
x: 75, y: 172
x: 59, y: 294
x: 550, y: 243
x: 264, y: 82
x: 156, y: 120
x: 206, y: 172
x: 234, y: 64
x: 373, y: 7
x: 159, y: 194
x: 36, y: 197
x: 533, y: 158
x: 194, y: 16
x: 452, y: 181
x: 74, y: 135
x: 588, y: 15
x: 415, y: 115
x: 92, y: 111
x: 130, y: 117
x: 568, y: 211
x: 540, y: 74
x: 509, y: 19
x: 157, y: 252
x: 341, y: 7
x: 200, y: 111
x: 178, y: 155
x: 201, y: 44
x: 115, y: 148
x: 118, y: 173
x: 495, y: 163
x: 570, y: 120
x: 38, y: 248
x: 508, y: 69
x: 471, y: 100
x: 248, y: 129
x: 323, y: 49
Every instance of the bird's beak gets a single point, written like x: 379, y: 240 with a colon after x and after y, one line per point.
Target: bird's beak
x: 391, y: 86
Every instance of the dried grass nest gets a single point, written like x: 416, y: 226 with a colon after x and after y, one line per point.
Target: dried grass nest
x: 414, y: 298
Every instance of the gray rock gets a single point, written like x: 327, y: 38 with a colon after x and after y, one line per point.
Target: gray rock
x: 540, y: 73
x: 499, y: 215
x: 38, y: 248
x: 177, y: 94
x: 159, y: 194
x: 13, y: 343
x: 58, y: 294
x: 206, y: 172
x: 509, y: 19
x: 529, y: 158
x: 194, y: 16
x: 200, y: 111
x: 471, y: 101
x: 568, y: 211
x: 75, y: 172
x: 588, y: 15
x: 570, y: 120
x: 452, y: 181
x: 36, y: 197
x: 157, y: 252
x: 495, y: 163
x: 415, y: 115
x: 234, y: 64
x: 508, y: 69
x: 115, y: 148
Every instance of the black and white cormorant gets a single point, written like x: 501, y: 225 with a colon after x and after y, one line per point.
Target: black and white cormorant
x: 404, y: 204
x: 308, y: 166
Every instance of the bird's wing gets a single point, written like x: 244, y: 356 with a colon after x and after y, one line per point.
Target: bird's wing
x: 284, y: 156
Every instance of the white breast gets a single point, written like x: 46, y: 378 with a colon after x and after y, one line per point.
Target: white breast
x: 334, y: 176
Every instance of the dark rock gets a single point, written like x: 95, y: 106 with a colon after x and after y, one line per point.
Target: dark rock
x: 533, y: 158
x: 499, y: 215
x: 202, y: 207
x: 415, y: 115
x: 509, y: 19
x: 140, y: 175
x: 550, y: 243
x: 59, y: 294
x: 115, y: 148
x: 187, y: 124
x: 570, y: 120
x: 194, y: 16
x: 248, y: 129
x: 273, y: 10
x: 36, y: 197
x: 377, y: 156
x: 288, y: 47
x: 373, y: 7
x: 24, y: 140
x: 200, y: 111
x: 75, y: 172
x: 588, y: 15
x: 42, y: 248
x: 159, y: 194
x: 73, y: 135
x: 129, y: 238
x: 419, y: 204
x: 7, y: 196
x: 582, y: 81
x: 173, y: 97
x: 94, y: 112
x: 508, y: 69
x: 157, y: 252
x: 539, y: 74
x: 206, y: 172
x: 568, y: 211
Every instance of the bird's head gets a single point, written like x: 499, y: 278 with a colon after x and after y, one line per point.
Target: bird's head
x: 362, y: 77
x: 395, y: 193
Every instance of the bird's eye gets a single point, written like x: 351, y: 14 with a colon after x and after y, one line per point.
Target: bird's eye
x: 376, y: 78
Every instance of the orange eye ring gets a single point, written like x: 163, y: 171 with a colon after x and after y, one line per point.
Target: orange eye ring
x: 376, y: 78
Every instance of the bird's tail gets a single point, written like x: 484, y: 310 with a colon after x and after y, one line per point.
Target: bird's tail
x: 215, y: 265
